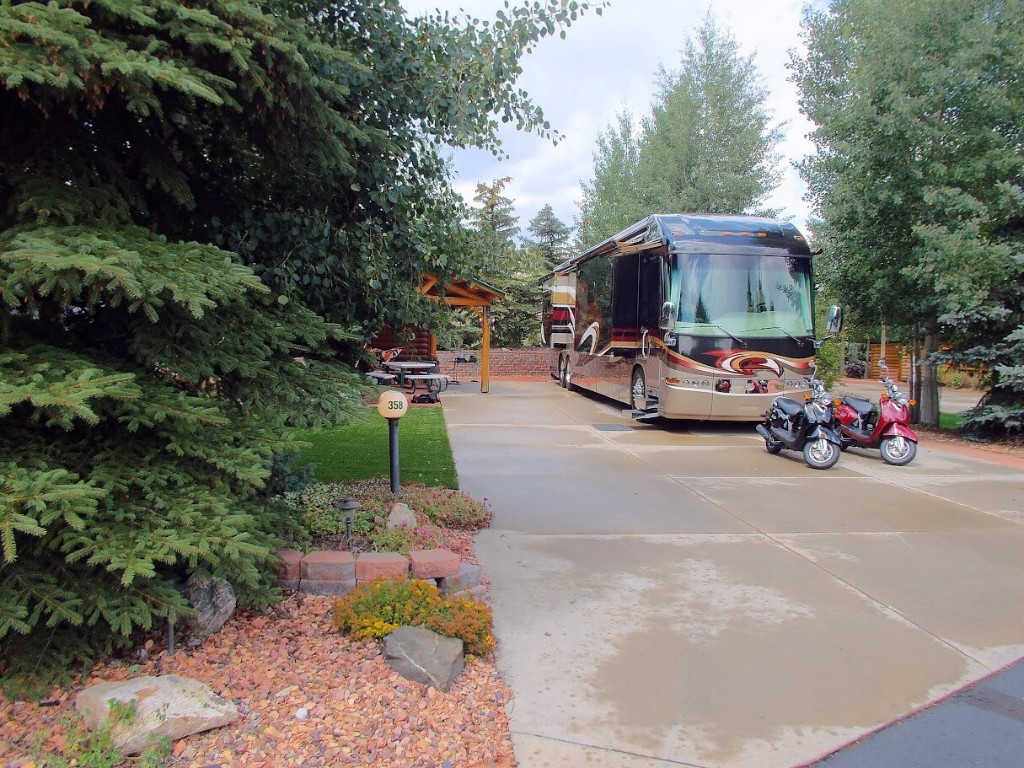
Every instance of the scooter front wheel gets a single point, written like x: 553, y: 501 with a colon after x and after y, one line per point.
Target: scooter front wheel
x: 898, y: 450
x: 820, y: 453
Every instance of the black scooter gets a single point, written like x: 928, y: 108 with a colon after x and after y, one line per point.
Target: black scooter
x: 808, y: 427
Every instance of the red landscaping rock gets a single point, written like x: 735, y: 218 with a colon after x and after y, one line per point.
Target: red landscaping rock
x: 434, y: 563
x: 371, y: 566
x: 272, y: 664
x: 328, y: 566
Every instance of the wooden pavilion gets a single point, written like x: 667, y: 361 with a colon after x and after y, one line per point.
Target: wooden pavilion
x: 475, y: 295
x: 420, y: 343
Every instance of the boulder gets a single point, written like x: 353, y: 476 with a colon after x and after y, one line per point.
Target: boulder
x: 466, y: 579
x: 401, y: 515
x: 423, y: 656
x: 213, y: 600
x: 168, y: 706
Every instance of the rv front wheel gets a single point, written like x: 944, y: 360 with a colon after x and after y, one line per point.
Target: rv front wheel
x: 638, y: 390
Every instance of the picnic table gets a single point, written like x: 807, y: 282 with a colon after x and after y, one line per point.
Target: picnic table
x: 411, y: 379
x: 406, y: 367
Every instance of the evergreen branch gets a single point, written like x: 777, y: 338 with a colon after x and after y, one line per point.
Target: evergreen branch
x: 63, y: 388
x: 32, y: 500
x: 92, y: 268
x: 45, y: 593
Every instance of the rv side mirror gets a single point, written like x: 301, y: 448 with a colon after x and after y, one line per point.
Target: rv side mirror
x: 667, y: 320
x: 834, y: 324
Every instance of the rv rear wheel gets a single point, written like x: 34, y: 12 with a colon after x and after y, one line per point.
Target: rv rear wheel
x: 567, y: 374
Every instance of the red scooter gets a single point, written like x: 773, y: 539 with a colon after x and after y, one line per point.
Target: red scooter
x: 860, y: 425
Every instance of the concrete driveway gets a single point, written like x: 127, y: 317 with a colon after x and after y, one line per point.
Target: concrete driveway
x: 677, y: 596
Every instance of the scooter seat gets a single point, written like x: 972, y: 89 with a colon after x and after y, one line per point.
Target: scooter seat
x: 788, y: 406
x: 861, y: 406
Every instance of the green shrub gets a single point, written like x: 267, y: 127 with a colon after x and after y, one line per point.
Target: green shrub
x: 457, y: 512
x: 829, y: 358
x: 401, y: 539
x: 425, y: 535
x: 317, y: 514
x: 378, y: 609
x: 440, y: 506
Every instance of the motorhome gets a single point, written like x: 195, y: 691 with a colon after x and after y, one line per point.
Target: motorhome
x: 686, y: 316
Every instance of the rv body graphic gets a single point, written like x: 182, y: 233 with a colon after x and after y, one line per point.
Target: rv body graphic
x: 686, y: 316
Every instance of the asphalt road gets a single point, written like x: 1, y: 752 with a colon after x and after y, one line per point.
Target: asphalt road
x: 674, y: 595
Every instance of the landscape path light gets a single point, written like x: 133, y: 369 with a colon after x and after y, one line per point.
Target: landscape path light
x: 348, y: 506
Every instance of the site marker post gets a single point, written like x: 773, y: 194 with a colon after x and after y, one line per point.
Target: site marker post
x: 392, y: 406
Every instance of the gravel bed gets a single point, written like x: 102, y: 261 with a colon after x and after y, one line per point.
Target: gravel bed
x: 309, y: 696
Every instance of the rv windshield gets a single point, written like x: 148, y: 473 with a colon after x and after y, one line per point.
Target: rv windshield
x: 742, y: 295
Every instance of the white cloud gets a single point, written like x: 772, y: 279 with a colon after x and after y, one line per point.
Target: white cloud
x: 608, y: 63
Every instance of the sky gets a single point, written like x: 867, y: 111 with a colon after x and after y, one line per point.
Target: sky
x: 608, y: 64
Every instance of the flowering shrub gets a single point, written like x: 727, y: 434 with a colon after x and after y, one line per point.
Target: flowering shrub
x: 425, y: 535
x: 378, y: 609
x: 469, y: 620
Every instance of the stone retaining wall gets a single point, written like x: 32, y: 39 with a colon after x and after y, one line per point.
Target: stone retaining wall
x: 336, y: 573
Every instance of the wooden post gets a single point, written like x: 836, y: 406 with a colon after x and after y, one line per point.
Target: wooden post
x: 485, y: 350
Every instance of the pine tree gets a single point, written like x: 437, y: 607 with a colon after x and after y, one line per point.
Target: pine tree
x: 917, y: 175
x: 707, y: 146
x: 550, y: 237
x: 612, y: 199
x: 502, y: 263
x: 188, y: 193
x: 146, y: 378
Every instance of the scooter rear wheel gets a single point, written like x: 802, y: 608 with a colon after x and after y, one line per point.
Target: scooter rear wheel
x: 898, y: 450
x: 820, y: 454
x: 772, y: 445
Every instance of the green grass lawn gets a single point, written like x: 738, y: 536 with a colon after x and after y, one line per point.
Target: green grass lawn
x: 359, y: 451
x: 949, y: 420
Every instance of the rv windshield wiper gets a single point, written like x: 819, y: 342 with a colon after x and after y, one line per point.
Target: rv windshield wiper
x: 797, y: 339
x: 699, y: 323
x: 737, y: 339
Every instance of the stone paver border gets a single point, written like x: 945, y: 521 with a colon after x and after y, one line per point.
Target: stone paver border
x: 336, y: 572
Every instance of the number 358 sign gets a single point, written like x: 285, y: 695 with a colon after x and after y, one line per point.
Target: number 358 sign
x: 392, y: 405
